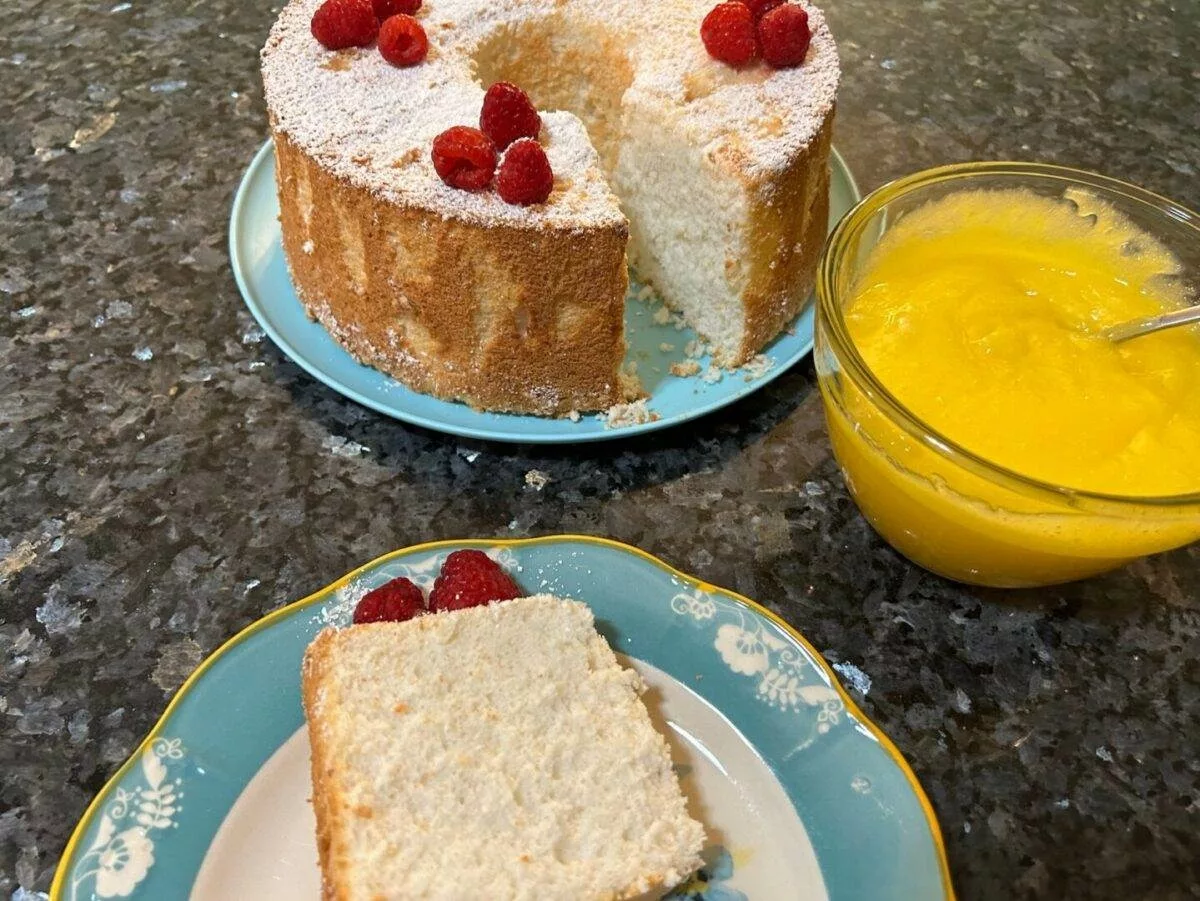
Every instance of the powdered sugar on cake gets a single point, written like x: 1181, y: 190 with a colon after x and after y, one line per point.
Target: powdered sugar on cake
x: 373, y: 124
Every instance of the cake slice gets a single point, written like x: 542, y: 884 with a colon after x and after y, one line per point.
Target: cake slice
x: 495, y: 753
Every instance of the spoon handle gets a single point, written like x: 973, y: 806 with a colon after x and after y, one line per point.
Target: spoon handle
x: 1144, y: 326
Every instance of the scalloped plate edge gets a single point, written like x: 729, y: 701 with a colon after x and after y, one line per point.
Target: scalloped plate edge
x: 62, y: 871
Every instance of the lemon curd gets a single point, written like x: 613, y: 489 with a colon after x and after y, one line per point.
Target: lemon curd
x: 981, y: 313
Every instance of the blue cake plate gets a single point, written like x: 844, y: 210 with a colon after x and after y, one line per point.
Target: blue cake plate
x: 261, y: 272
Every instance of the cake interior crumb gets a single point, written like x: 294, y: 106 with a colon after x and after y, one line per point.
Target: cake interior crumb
x: 620, y: 416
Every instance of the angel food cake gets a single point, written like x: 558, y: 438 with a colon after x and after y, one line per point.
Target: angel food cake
x: 709, y: 179
x: 495, y: 752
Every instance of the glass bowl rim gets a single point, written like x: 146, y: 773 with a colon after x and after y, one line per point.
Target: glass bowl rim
x: 832, y: 323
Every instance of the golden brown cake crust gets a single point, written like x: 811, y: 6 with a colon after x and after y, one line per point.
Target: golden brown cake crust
x: 505, y: 318
x: 326, y: 797
x: 789, y: 220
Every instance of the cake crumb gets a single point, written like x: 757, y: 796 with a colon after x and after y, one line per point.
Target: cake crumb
x: 698, y: 84
x: 407, y: 158
x: 339, y: 62
x: 757, y: 367
x: 631, y: 385
x: 646, y: 293
x: 573, y: 416
x: 621, y: 415
x: 695, y: 348
x: 665, y: 347
x: 712, y: 375
x: 771, y: 125
x: 662, y: 316
x: 683, y: 370
x: 308, y: 246
x: 536, y: 479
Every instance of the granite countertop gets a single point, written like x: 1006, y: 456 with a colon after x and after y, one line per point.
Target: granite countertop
x: 167, y: 475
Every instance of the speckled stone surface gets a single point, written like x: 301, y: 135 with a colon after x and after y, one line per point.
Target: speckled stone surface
x: 167, y: 476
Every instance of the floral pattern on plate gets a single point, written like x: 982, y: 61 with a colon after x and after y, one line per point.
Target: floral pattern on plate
x: 710, y: 882
x: 116, y: 862
x: 788, y: 678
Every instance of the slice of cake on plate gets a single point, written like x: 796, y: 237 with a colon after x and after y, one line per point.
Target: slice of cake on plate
x: 499, y: 752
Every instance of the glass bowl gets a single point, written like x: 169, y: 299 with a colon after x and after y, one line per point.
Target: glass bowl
x: 944, y: 507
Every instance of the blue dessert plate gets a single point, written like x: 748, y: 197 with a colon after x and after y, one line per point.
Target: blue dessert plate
x: 261, y: 272
x: 801, y: 796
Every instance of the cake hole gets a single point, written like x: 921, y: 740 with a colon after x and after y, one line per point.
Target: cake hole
x: 578, y: 67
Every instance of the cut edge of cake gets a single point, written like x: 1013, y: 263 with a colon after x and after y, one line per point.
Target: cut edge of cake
x: 603, y: 698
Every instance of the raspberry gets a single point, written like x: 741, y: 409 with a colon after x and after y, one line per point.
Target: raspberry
x: 760, y: 8
x: 508, y: 114
x: 385, y: 9
x: 339, y: 24
x: 525, y: 175
x: 728, y: 33
x: 464, y: 157
x: 402, y: 40
x: 395, y: 601
x: 469, y: 579
x: 784, y: 36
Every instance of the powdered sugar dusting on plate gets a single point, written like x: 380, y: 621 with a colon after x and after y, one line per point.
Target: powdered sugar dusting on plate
x: 338, y: 612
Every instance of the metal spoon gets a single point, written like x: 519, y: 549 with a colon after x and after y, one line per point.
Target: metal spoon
x: 1135, y: 328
